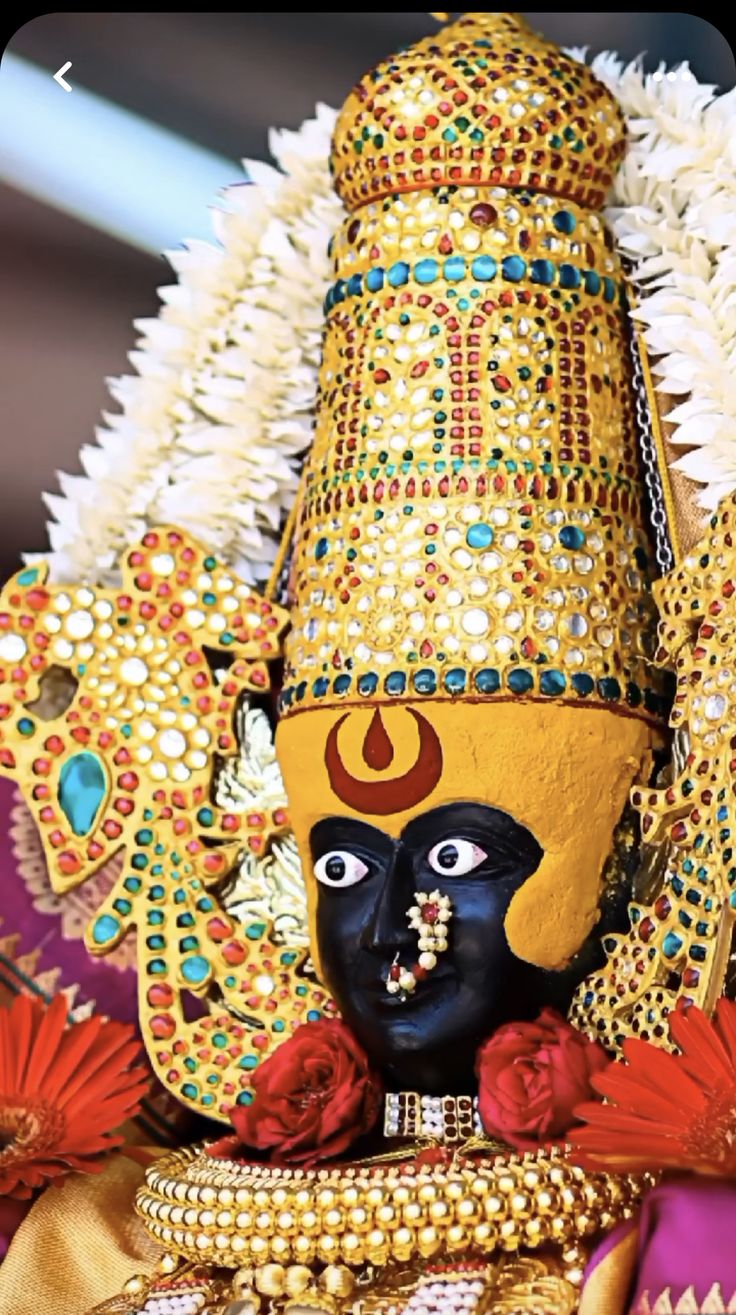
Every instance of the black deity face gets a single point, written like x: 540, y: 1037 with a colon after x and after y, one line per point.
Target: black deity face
x: 476, y: 855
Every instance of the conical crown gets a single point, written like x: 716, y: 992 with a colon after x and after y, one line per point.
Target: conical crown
x: 470, y: 521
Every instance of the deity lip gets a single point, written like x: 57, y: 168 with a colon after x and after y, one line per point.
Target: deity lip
x: 424, y: 989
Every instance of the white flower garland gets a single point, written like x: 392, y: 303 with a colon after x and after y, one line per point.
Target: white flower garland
x: 673, y: 213
x: 213, y: 426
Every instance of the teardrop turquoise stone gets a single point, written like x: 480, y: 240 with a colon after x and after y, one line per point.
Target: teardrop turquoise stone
x: 82, y: 787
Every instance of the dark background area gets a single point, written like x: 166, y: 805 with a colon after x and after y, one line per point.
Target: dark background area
x: 221, y: 80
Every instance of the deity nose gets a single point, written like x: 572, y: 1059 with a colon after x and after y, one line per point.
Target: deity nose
x: 387, y: 929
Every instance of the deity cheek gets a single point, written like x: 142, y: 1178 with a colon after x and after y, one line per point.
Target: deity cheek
x: 551, y: 915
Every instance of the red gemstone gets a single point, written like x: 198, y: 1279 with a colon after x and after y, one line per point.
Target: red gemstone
x: 483, y: 215
x: 218, y: 929
x: 163, y: 1026
x: 430, y: 913
x: 662, y: 906
x: 233, y: 953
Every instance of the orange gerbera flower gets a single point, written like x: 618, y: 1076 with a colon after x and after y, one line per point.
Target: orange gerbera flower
x: 62, y: 1091
x: 667, y: 1111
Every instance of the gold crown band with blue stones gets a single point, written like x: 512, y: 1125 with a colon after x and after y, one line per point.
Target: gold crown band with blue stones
x: 470, y: 522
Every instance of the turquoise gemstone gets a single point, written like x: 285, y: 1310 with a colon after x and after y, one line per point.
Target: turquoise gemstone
x: 105, y: 929
x: 27, y: 577
x: 454, y: 268
x: 570, y: 276
x: 572, y: 537
x: 374, y: 280
x: 520, y: 681
x: 190, y: 1091
x: 483, y: 268
x: 426, y: 271
x: 398, y: 274
x: 564, y: 221
x: 195, y: 969
x: 479, y: 535
x: 425, y: 681
x: 82, y: 788
x: 671, y: 944
x: 455, y: 680
x: 514, y: 268
x: 487, y: 681
x: 592, y: 281
x: 543, y: 271
x: 583, y: 684
x: 552, y: 682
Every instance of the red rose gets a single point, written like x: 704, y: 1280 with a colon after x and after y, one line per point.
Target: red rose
x: 314, y: 1096
x: 531, y: 1076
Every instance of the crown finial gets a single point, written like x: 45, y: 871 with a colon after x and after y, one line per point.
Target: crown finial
x: 485, y: 101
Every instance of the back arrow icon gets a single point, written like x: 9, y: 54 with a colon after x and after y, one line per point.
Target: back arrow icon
x: 59, y: 77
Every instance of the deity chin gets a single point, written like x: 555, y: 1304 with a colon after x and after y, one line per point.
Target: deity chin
x: 513, y: 835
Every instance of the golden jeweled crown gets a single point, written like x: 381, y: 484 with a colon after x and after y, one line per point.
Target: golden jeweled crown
x: 470, y: 520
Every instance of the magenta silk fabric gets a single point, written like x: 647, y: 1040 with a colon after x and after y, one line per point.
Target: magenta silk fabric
x: 687, y: 1237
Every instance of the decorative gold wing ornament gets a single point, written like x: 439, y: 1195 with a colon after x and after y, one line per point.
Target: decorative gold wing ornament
x: 680, y: 939
x: 144, y: 759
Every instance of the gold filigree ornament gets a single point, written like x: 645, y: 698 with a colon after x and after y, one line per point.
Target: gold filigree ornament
x: 680, y: 939
x: 160, y: 670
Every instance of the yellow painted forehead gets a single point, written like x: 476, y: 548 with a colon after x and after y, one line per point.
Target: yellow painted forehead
x: 563, y: 772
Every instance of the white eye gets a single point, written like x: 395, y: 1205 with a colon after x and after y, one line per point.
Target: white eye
x: 455, y: 857
x: 340, y: 868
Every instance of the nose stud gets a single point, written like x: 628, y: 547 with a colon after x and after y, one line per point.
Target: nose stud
x: 429, y: 917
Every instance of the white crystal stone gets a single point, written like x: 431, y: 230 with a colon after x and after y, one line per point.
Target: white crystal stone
x: 133, y: 671
x: 162, y: 564
x: 172, y: 743
x: 475, y: 621
x: 715, y: 706
x: 12, y: 648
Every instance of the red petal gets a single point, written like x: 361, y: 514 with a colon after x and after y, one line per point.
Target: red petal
x: 705, y: 1056
x: 46, y: 1044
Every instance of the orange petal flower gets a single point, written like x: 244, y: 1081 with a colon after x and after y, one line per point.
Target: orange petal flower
x: 667, y: 1111
x: 62, y: 1091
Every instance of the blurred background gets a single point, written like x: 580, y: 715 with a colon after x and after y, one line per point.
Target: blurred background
x: 163, y: 107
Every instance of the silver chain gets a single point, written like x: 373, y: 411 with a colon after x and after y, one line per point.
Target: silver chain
x: 652, y: 477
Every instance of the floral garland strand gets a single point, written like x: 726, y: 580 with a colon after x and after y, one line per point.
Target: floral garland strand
x: 673, y: 214
x: 212, y: 427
